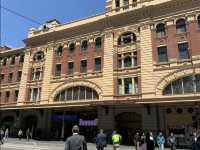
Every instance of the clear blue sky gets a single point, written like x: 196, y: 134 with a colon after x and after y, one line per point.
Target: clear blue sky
x: 14, y: 28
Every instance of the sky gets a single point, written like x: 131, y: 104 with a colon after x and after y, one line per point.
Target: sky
x: 14, y: 29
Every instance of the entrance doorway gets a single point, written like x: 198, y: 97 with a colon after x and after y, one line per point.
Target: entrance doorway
x: 127, y: 124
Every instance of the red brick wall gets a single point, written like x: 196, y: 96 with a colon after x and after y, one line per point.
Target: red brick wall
x: 192, y: 36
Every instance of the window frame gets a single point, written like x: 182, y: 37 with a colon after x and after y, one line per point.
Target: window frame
x: 160, y: 54
x: 181, y: 26
x: 180, y: 49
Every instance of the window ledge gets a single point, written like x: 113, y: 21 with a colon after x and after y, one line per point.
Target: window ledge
x: 162, y: 38
x: 127, y: 68
x: 184, y: 60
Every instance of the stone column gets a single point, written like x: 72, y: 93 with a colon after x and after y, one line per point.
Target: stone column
x: 147, y: 76
x: 108, y: 80
x: 46, y: 86
x: 22, y: 87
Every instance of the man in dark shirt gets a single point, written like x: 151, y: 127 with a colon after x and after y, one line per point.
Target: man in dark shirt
x: 76, y: 141
x: 101, y: 140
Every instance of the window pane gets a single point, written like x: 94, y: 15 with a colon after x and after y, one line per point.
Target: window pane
x: 180, y: 26
x: 119, y: 82
x: 197, y: 83
x: 62, y: 98
x: 70, y: 68
x: 76, y: 93
x: 98, y: 42
x: 69, y: 94
x: 82, y: 93
x: 162, y: 54
x: 183, y: 51
x: 88, y: 93
x: 188, y: 84
x: 168, y: 90
x: 83, y: 66
x: 177, y: 87
x: 58, y: 69
x: 127, y: 61
x: 95, y: 95
x: 128, y: 86
x: 97, y: 64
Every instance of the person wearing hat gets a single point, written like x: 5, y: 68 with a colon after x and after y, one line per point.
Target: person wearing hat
x: 76, y: 141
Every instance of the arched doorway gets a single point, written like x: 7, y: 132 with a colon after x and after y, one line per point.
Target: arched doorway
x: 127, y: 124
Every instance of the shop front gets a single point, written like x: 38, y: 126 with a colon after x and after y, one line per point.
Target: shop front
x: 63, y: 121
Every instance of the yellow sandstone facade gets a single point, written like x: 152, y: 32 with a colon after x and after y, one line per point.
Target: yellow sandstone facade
x: 142, y: 73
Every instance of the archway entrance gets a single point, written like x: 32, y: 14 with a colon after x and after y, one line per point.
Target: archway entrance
x: 127, y: 124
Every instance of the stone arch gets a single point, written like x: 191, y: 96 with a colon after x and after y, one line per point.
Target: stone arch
x: 174, y: 76
x: 68, y: 84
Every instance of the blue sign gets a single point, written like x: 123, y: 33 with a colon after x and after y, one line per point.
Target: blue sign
x: 65, y: 117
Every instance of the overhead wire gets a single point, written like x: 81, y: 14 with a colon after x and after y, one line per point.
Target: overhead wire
x: 19, y: 15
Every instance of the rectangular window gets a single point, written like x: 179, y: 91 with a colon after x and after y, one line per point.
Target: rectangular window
x: 7, y: 96
x: 117, y: 3
x: 120, y: 88
x: 183, y: 51
x: 10, y: 77
x: 37, y: 74
x: 16, y: 94
x: 70, y: 67
x: 83, y: 66
x: 162, y: 54
x: 19, y: 75
x: 58, y: 70
x: 35, y: 94
x: 126, y: 4
x: 97, y: 64
x: 2, y: 77
x: 128, y: 87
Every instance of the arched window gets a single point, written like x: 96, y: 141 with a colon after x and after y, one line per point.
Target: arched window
x: 185, y: 85
x: 180, y: 26
x: 84, y: 45
x: 77, y: 93
x: 59, y: 51
x: 72, y: 47
x: 160, y: 30
x: 198, y: 21
x: 98, y: 42
x: 39, y: 56
x: 127, y: 38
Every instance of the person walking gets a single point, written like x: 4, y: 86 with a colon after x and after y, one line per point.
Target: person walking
x: 27, y: 134
x: 160, y: 141
x: 76, y: 141
x: 1, y: 135
x: 20, y: 134
x: 137, y: 141
x: 6, y: 135
x: 195, y: 141
x: 172, y: 141
x: 101, y: 140
x: 143, y: 145
x: 116, y: 140
x: 150, y: 141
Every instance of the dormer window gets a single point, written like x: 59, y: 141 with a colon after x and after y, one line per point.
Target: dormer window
x: 39, y: 56
x: 160, y: 30
x: 98, y: 42
x: 117, y: 3
x: 72, y: 47
x: 84, y: 45
x: 59, y: 51
x: 127, y: 38
x: 181, y: 26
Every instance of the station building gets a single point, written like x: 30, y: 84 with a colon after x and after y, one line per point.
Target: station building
x: 135, y: 66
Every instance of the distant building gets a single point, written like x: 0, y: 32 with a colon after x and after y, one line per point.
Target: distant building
x: 136, y: 66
